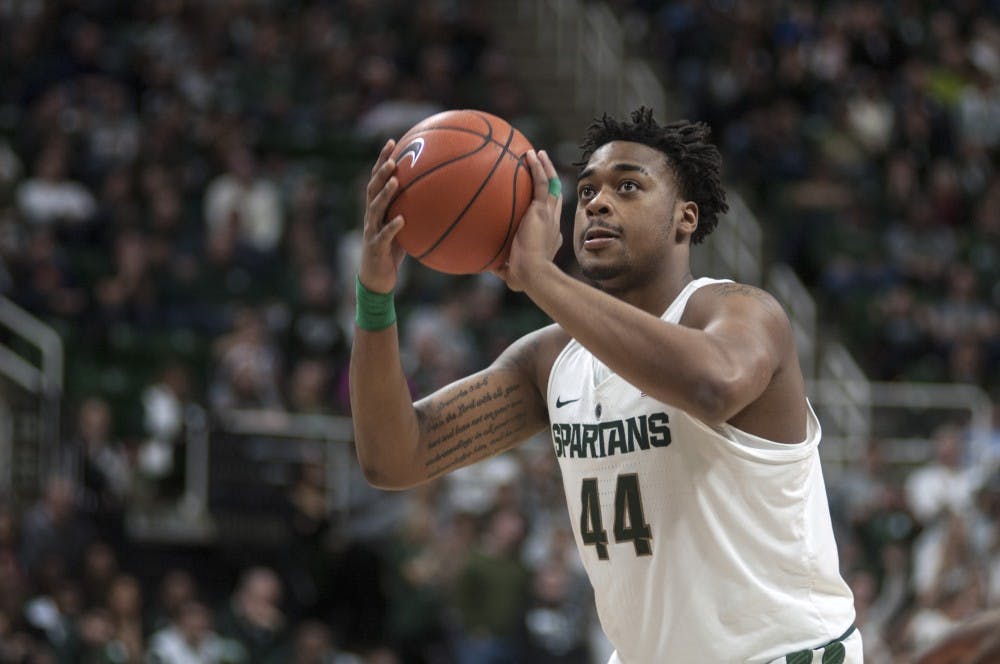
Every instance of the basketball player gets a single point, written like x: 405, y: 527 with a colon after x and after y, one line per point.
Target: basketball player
x: 676, y: 406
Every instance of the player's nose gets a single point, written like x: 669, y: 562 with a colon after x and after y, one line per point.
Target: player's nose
x: 597, y: 205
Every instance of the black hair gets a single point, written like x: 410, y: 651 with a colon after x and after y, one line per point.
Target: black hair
x: 695, y: 162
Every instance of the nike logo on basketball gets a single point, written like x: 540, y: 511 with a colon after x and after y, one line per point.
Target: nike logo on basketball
x: 412, y: 151
x: 560, y: 403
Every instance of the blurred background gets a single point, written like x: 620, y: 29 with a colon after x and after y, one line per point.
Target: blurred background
x: 181, y: 189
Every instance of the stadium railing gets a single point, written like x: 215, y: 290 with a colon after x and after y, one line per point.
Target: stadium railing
x: 592, y: 73
x: 31, y: 385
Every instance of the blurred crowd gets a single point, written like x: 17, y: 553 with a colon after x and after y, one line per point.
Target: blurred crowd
x: 478, y: 568
x: 864, y: 135
x: 180, y: 196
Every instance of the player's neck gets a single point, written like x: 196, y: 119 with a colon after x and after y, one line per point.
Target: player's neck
x: 656, y: 293
x: 665, y: 292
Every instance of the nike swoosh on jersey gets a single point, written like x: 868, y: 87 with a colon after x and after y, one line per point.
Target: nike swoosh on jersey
x: 560, y: 403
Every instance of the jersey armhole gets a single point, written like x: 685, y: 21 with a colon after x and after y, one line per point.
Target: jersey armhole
x: 555, y: 364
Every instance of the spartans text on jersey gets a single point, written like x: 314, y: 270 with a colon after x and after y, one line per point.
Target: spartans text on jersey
x: 603, y: 439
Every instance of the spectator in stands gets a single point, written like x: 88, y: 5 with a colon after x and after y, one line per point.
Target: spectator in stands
x: 491, y: 594
x: 95, y: 639
x: 124, y: 605
x: 961, y: 314
x: 862, y: 584
x: 106, y: 470
x: 941, y: 494
x: 44, y: 282
x: 984, y: 539
x: 12, y: 576
x: 176, y: 589
x: 394, y: 115
x: 174, y: 245
x: 53, y: 528
x: 50, y: 197
x: 244, y: 204
x: 309, y: 388
x: 958, y: 598
x: 315, y: 329
x: 118, y: 207
x: 979, y: 101
x: 921, y: 246
x: 900, y: 342
x: 10, y: 170
x: 100, y: 569
x: 112, y: 128
x: 415, y: 588
x: 53, y: 615
x: 191, y: 639
x: 438, y: 341
x: 254, y: 618
x: 967, y: 362
x: 131, y: 295
x: 248, y: 366
x: 310, y: 230
x: 307, y: 557
x: 165, y: 405
x: 313, y: 644
x: 556, y: 620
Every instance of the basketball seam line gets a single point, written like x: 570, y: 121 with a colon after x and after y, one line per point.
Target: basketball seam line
x: 510, y: 220
x: 488, y: 138
x: 472, y: 200
x: 464, y: 130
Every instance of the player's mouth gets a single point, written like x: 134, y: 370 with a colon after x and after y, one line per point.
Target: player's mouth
x: 599, y: 237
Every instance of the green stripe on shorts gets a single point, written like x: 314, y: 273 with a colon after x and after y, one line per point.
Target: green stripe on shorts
x: 835, y: 653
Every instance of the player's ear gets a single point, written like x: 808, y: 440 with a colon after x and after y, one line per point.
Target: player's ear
x: 686, y: 218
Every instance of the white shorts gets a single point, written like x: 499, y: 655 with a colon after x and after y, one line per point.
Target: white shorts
x: 852, y: 648
x: 853, y: 653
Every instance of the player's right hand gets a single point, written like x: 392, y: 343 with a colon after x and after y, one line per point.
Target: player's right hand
x: 381, y: 255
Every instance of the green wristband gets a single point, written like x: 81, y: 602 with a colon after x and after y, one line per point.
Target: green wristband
x: 375, y: 311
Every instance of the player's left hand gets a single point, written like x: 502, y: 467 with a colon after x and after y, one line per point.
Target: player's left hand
x: 538, y: 237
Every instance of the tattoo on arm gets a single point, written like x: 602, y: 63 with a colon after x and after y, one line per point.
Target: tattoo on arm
x: 769, y: 302
x: 473, y: 422
x: 728, y: 289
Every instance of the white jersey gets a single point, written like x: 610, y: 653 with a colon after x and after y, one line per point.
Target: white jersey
x: 703, y: 543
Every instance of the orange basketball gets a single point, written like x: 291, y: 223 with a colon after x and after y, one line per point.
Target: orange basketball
x: 463, y: 187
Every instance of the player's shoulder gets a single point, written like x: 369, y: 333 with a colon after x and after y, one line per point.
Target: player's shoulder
x: 732, y: 297
x: 546, y: 343
x: 730, y: 290
x: 535, y: 352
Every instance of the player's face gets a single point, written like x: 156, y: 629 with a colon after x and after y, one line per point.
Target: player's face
x: 627, y: 202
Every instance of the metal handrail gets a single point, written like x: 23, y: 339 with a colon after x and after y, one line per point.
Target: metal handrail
x: 40, y: 335
x: 958, y: 397
x: 45, y: 381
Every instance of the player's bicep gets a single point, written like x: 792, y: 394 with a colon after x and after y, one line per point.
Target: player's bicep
x: 752, y: 335
x: 480, y: 416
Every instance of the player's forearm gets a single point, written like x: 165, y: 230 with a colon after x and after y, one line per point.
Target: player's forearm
x: 385, y: 423
x: 678, y: 365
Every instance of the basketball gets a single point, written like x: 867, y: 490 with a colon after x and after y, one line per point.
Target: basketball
x: 463, y: 187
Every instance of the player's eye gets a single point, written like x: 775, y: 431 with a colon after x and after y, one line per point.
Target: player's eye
x: 586, y: 191
x: 628, y: 186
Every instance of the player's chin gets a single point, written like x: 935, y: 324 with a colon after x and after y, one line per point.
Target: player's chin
x: 601, y: 271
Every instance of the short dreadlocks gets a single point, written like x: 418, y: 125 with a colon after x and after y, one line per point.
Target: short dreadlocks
x: 695, y: 161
